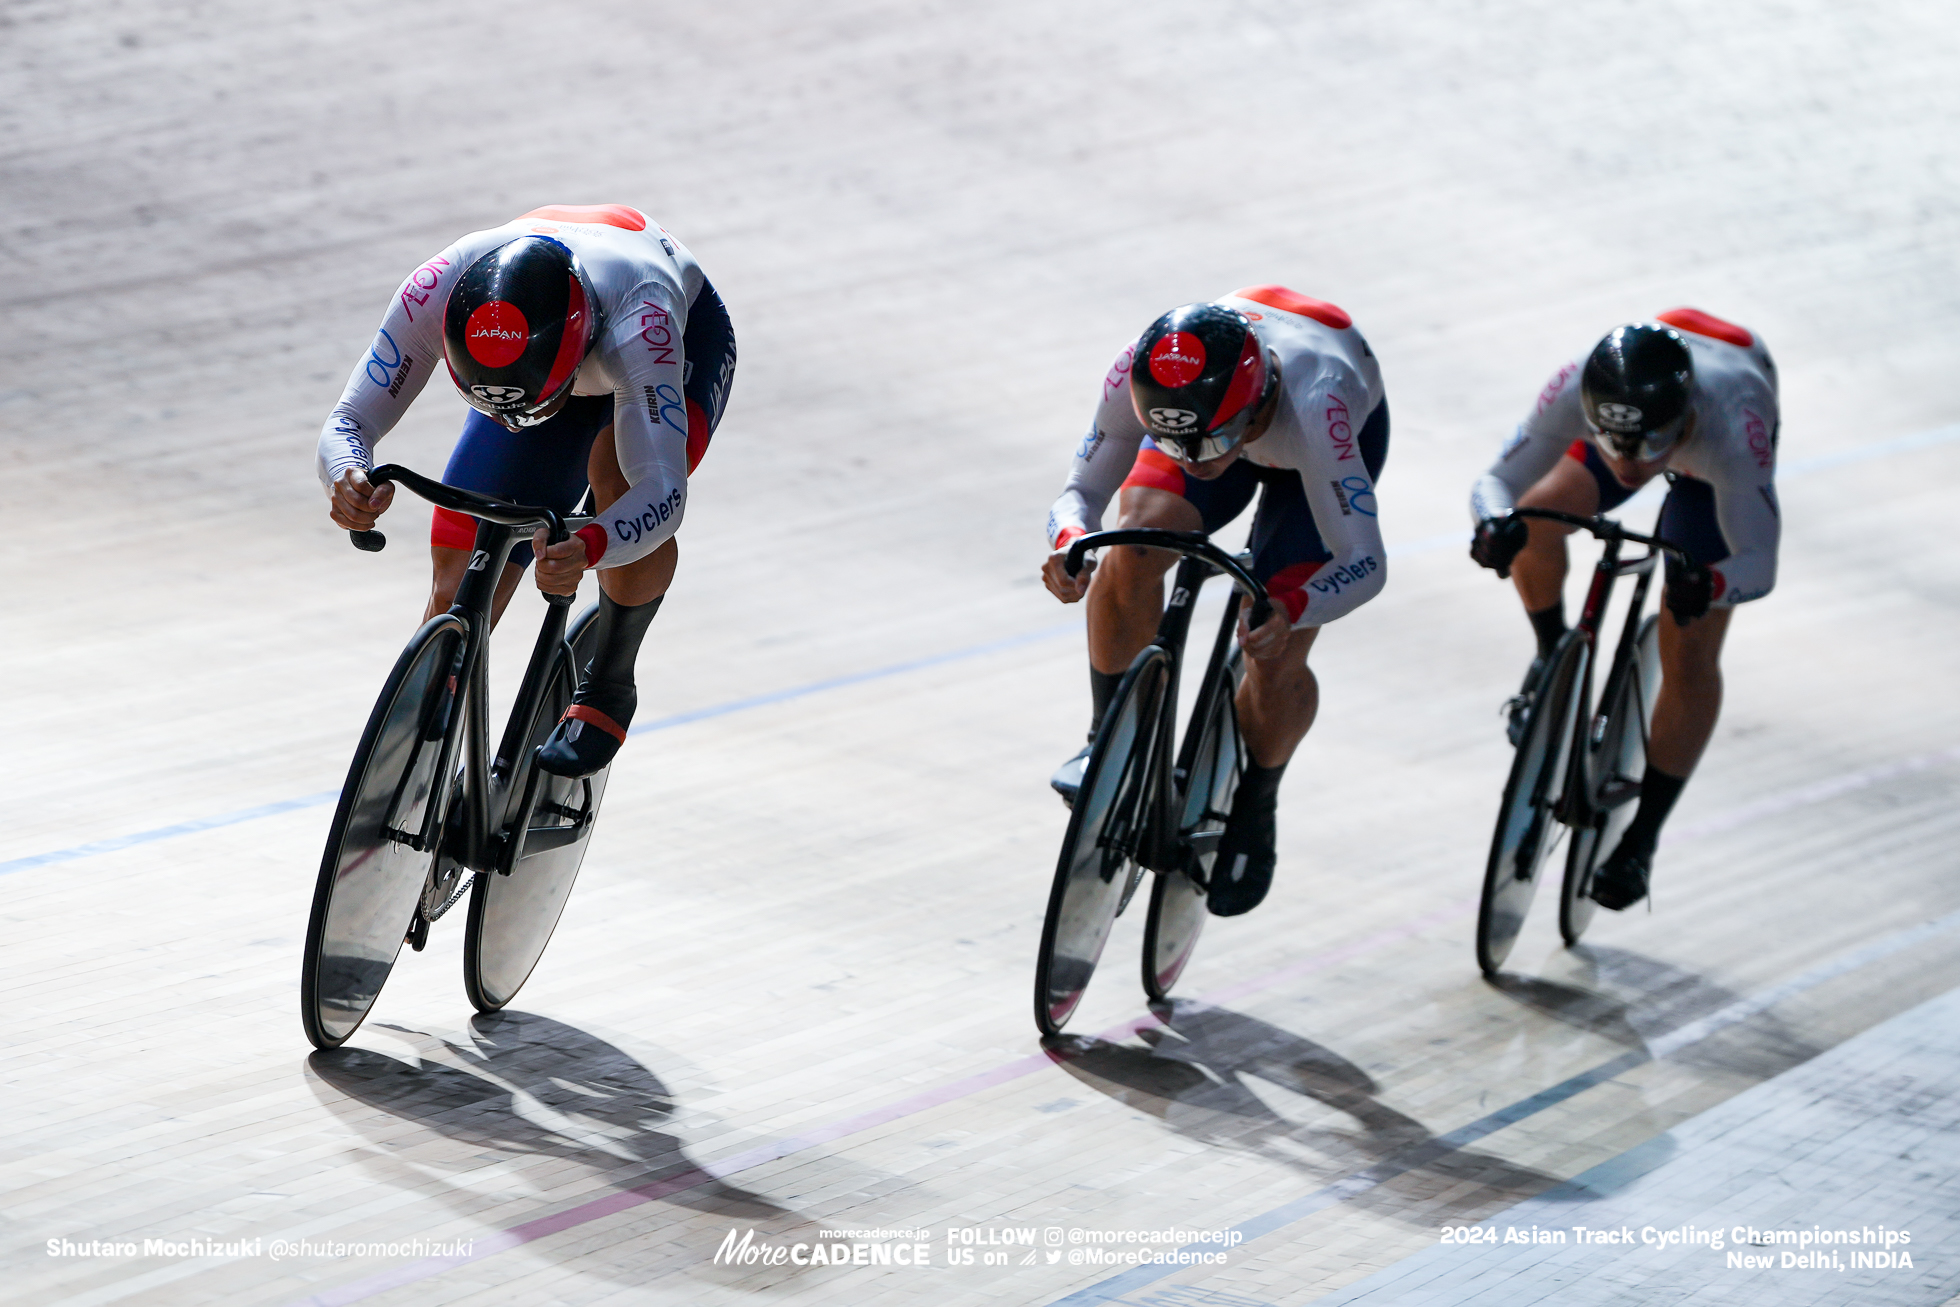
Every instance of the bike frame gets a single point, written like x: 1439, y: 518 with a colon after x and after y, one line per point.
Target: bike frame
x: 475, y: 842
x: 1577, y: 807
x: 1160, y: 845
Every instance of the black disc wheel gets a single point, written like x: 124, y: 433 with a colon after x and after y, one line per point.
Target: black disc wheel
x: 1098, y: 868
x: 1616, y: 758
x: 1212, y: 763
x: 512, y: 916
x: 373, y: 873
x: 1526, y: 827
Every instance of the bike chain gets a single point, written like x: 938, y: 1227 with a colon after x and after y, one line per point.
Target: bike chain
x: 463, y: 884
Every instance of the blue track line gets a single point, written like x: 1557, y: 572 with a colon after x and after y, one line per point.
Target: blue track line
x: 1429, y: 544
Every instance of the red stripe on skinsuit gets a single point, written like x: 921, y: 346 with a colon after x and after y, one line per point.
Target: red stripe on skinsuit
x: 1288, y: 588
x: 1707, y: 324
x: 607, y: 215
x: 1155, y: 469
x: 451, y: 530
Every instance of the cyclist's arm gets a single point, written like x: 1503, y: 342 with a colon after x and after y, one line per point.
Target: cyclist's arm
x: 1534, y: 449
x: 1746, y: 508
x: 405, y: 353
x: 642, y: 351
x: 1102, y: 459
x: 1341, y: 496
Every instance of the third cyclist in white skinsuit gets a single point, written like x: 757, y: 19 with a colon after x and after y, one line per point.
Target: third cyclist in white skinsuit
x: 1689, y: 396
x: 1264, y: 388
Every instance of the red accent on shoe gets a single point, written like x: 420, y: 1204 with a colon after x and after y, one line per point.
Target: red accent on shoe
x: 579, y: 712
x: 594, y: 537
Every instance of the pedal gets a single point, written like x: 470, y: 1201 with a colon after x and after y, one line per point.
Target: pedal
x: 418, y: 932
x: 1517, y: 714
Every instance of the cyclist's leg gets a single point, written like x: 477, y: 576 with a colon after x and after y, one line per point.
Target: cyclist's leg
x: 1277, y: 700
x: 545, y: 464
x: 1690, y: 698
x: 1126, y: 596
x: 1126, y: 599
x: 629, y: 596
x: 1581, y: 484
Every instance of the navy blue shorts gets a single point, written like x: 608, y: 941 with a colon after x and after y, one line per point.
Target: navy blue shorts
x: 546, y: 464
x: 1687, y: 520
x: 1286, y: 544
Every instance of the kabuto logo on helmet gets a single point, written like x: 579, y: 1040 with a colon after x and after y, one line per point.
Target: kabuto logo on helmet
x: 1172, y: 419
x: 496, y: 334
x: 1618, y: 417
x: 1177, y: 359
x: 499, y: 396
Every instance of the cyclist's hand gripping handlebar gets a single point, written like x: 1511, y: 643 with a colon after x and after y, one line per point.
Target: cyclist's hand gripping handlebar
x: 1192, y: 544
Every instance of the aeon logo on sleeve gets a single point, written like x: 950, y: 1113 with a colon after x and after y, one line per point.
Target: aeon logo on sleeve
x: 1172, y: 419
x: 1177, y: 359
x: 496, y: 334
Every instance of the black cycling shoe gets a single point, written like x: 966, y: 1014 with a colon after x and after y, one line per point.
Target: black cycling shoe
x: 1518, y: 708
x: 1621, y: 880
x: 591, y: 731
x: 1068, y: 777
x: 1243, y: 870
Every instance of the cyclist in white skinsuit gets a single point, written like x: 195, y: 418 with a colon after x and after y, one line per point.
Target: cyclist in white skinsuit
x: 1693, y: 398
x: 1262, y: 388
x: 592, y: 349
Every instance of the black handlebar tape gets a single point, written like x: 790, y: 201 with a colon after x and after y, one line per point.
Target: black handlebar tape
x: 372, y: 542
x: 1262, y: 612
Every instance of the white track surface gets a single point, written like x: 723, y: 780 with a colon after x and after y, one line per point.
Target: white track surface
x: 791, y: 992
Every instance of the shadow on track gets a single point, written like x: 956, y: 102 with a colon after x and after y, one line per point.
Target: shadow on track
x: 1211, y: 1075
x: 1630, y: 999
x: 543, y: 1099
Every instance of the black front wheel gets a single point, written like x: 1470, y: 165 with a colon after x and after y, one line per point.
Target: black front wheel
x: 1616, y: 759
x: 1526, y: 826
x: 372, y: 873
x: 1098, y: 867
x: 1212, y: 764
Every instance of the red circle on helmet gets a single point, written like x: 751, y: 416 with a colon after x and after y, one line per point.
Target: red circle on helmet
x: 1177, y: 359
x: 497, y: 334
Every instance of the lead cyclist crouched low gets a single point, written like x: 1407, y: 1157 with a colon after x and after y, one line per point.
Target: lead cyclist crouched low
x: 593, y: 350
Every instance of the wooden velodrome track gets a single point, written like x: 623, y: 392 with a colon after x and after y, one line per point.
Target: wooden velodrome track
x: 791, y: 992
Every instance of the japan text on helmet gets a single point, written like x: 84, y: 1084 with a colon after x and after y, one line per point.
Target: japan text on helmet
x: 516, y: 327
x: 1635, y: 390
x: 1199, y: 379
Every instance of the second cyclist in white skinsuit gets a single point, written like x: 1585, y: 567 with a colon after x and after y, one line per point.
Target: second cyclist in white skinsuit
x: 1691, y: 397
x: 592, y: 349
x: 1263, y: 391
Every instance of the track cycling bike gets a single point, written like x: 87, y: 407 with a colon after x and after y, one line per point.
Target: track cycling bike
x: 1140, y: 807
x: 1578, y: 765
x: 429, y: 814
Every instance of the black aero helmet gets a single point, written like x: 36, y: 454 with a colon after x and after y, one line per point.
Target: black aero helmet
x: 516, y: 327
x: 1635, y: 390
x: 1199, y: 377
